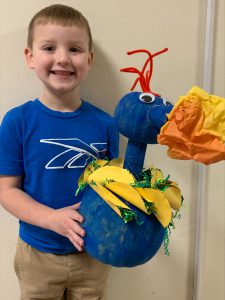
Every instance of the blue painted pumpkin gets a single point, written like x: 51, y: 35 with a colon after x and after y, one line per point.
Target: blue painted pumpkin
x: 111, y: 241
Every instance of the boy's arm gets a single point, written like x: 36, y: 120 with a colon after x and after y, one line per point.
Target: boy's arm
x: 64, y: 221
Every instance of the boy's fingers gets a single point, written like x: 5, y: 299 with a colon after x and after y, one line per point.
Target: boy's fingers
x: 77, y: 229
x: 76, y: 240
x: 77, y: 217
x: 76, y: 245
x: 75, y: 214
x: 76, y: 206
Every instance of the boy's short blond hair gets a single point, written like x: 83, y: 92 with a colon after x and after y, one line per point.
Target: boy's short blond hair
x: 61, y: 15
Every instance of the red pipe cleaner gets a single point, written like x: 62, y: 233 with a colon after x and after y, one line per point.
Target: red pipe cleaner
x: 144, y: 76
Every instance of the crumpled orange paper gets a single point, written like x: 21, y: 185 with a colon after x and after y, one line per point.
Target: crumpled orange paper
x: 196, y: 128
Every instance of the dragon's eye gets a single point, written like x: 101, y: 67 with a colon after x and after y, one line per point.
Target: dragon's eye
x: 166, y: 101
x: 147, y: 97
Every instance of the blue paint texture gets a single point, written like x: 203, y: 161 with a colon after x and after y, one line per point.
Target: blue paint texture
x: 111, y: 241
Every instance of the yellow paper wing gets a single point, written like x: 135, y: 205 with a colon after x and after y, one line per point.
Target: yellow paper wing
x: 156, y: 175
x: 111, y: 173
x: 163, y: 209
x: 173, y: 194
x: 110, y: 198
x: 128, y: 193
x: 90, y: 169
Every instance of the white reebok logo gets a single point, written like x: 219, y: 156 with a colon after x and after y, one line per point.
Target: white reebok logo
x: 76, y: 155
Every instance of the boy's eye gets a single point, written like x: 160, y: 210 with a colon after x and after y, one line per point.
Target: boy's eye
x: 48, y: 48
x: 74, y: 49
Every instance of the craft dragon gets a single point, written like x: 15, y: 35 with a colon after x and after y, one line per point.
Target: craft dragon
x: 129, y: 211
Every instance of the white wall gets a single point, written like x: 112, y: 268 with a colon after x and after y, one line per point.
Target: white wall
x: 119, y: 26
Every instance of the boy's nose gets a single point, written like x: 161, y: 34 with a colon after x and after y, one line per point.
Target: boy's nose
x: 62, y: 58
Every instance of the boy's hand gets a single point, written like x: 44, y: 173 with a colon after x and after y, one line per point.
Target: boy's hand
x: 65, y: 221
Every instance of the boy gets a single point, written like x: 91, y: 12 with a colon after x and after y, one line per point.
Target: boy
x: 45, y: 144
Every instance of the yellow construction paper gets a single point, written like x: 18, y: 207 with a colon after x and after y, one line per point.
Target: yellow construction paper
x: 90, y: 169
x: 109, y: 198
x: 111, y: 173
x: 110, y: 180
x: 128, y: 193
x: 163, y: 209
x: 156, y: 175
x: 173, y: 194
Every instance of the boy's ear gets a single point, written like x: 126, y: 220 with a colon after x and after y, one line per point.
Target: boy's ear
x: 29, y: 57
x: 90, y: 59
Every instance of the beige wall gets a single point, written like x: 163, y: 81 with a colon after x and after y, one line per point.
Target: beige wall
x: 119, y: 26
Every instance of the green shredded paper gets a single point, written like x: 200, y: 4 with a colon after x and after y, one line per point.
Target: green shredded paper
x: 127, y: 214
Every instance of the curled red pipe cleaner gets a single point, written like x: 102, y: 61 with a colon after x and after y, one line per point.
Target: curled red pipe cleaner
x: 144, y: 76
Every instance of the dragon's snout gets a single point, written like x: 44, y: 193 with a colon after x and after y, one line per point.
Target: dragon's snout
x: 139, y: 116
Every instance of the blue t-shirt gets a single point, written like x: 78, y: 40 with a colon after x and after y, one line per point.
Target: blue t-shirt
x: 50, y: 150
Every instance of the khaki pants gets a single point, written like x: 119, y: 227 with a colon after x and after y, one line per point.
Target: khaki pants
x: 59, y: 277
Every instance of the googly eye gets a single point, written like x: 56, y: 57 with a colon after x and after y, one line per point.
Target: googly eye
x: 147, y: 97
x: 166, y: 101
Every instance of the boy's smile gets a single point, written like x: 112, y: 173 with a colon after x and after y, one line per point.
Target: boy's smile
x: 61, y: 58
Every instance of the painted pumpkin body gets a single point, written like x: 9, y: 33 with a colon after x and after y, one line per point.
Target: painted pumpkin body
x: 111, y: 241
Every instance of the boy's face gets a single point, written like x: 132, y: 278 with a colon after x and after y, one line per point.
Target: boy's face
x: 61, y: 58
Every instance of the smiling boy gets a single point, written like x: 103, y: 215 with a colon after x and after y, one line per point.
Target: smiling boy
x: 45, y: 145
x: 62, y: 58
